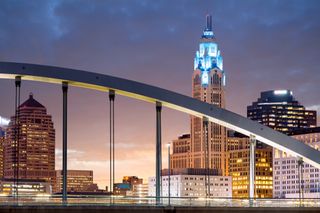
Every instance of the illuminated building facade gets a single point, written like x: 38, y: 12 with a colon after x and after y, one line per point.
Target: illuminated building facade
x: 208, y: 85
x: 3, y: 125
x: 238, y: 167
x: 36, y: 141
x: 126, y: 187
x: 286, y: 180
x: 192, y: 183
x: 279, y: 110
x: 77, y: 181
x: 181, y: 152
x: 121, y: 189
x: 26, y: 187
x: 132, y: 180
x: 138, y: 190
x: 2, y: 138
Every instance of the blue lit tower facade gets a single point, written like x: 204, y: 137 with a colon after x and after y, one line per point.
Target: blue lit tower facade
x: 208, y: 85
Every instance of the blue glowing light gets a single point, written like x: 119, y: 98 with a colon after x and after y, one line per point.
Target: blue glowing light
x: 219, y: 61
x: 208, y: 49
x: 208, y: 33
x: 208, y: 57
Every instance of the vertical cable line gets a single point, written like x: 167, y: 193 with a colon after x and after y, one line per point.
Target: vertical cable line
x: 64, y: 141
x: 302, y: 181
x: 208, y: 156
x: 15, y: 143
x: 158, y: 153
x: 300, y: 178
x: 110, y: 148
x: 111, y: 137
x: 206, y: 143
x: 113, y: 145
x: 205, y: 158
x: 17, y: 135
x: 18, y: 139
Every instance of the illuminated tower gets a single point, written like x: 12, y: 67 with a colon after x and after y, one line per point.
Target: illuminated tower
x: 208, y: 85
x: 3, y: 125
x: 36, y: 141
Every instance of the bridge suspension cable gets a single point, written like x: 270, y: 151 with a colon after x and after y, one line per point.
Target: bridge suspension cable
x: 111, y: 135
x: 64, y: 140
x: 17, y: 136
x: 158, y: 152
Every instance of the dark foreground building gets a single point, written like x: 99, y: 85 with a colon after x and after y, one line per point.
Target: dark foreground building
x: 279, y: 110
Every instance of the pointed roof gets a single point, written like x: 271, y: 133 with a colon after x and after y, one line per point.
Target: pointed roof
x: 31, y: 102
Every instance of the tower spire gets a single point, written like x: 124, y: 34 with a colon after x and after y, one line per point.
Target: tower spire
x: 209, y: 22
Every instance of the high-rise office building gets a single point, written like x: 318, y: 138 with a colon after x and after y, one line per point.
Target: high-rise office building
x: 208, y: 85
x: 33, y: 137
x: 279, y: 110
x: 206, y: 146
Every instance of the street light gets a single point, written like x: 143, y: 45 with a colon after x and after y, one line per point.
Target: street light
x: 168, y: 145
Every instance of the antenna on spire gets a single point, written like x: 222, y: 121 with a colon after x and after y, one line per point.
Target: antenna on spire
x: 209, y: 22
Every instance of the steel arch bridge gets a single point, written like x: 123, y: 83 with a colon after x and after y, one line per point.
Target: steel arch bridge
x: 161, y: 97
x: 173, y: 100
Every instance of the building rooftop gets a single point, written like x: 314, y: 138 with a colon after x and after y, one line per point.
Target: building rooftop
x: 185, y: 136
x: 31, y: 102
x: 276, y: 96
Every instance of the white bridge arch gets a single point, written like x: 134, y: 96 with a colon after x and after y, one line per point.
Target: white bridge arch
x: 168, y: 98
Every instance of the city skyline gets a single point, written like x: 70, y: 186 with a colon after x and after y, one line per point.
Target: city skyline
x: 142, y: 69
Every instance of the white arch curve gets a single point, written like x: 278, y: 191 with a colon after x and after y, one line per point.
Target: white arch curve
x: 168, y: 98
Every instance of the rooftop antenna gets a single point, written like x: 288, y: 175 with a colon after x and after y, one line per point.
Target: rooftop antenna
x: 209, y: 22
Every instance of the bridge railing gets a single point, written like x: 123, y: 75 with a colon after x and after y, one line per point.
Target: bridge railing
x: 89, y: 200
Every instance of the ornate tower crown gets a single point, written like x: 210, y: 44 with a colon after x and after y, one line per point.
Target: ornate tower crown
x: 208, y: 57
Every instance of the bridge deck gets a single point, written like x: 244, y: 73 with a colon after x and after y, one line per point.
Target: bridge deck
x: 142, y: 209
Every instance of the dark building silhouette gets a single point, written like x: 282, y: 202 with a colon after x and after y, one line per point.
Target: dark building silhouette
x: 279, y: 110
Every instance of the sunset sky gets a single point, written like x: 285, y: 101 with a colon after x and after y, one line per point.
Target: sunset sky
x: 266, y: 45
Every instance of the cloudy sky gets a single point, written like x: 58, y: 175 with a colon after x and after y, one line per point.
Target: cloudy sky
x: 272, y: 44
